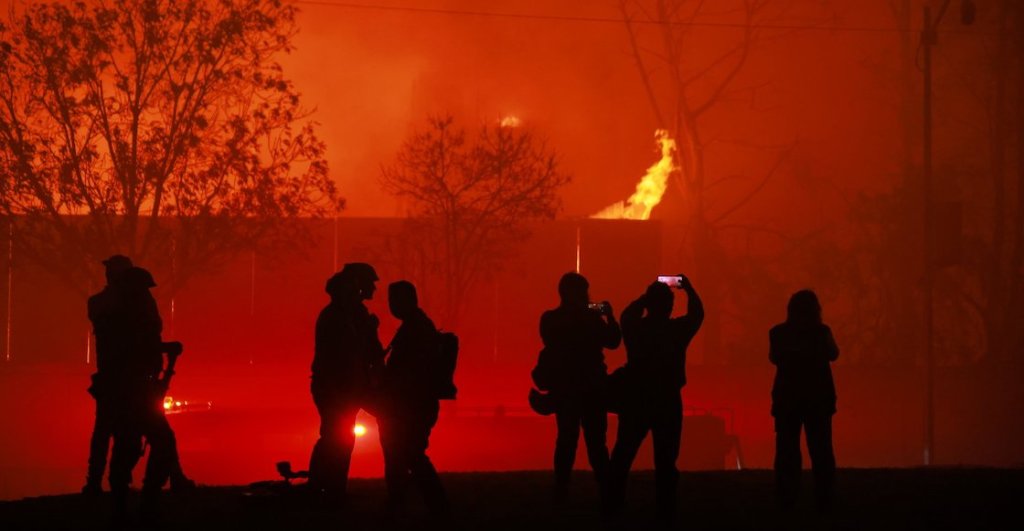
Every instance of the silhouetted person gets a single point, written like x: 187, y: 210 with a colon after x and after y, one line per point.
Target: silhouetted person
x: 410, y: 404
x: 572, y: 369
x: 138, y: 383
x: 803, y: 395
x: 102, y: 309
x: 656, y: 347
x: 347, y: 359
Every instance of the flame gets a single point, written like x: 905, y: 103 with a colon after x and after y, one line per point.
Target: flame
x: 651, y: 187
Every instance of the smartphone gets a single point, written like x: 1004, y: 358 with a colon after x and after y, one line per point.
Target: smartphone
x: 599, y: 306
x: 673, y: 281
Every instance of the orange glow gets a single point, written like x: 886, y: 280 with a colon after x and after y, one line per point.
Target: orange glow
x: 168, y: 402
x: 359, y: 430
x: 651, y: 187
x: 510, y: 121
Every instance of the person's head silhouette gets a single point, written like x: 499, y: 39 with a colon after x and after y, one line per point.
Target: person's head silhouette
x: 803, y: 308
x: 355, y: 281
x: 574, y: 290
x: 402, y: 300
x: 137, y: 279
x: 115, y: 267
x: 659, y: 300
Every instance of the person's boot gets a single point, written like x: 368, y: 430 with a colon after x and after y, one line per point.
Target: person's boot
x: 118, y: 507
x: 149, y: 509
x: 92, y: 487
x: 181, y: 483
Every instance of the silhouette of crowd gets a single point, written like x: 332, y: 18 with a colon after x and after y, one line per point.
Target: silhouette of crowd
x: 401, y: 384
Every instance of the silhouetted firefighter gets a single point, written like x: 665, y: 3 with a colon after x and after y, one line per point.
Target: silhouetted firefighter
x: 647, y: 389
x: 135, y: 384
x: 414, y: 380
x: 347, y: 361
x: 103, y: 308
x: 571, y: 367
x: 803, y: 395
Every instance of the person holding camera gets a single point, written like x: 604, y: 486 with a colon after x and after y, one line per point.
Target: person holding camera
x: 803, y: 396
x: 573, y: 371
x: 655, y: 372
x: 138, y: 381
x: 347, y: 361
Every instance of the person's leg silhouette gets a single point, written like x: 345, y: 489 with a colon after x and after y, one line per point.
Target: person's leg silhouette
x: 787, y: 459
x: 818, y: 430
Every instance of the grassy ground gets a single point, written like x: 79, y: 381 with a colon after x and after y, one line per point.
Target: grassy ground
x: 868, y: 499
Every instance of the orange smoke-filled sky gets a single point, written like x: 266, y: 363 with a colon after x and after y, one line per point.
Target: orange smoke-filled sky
x: 820, y: 80
x: 373, y: 74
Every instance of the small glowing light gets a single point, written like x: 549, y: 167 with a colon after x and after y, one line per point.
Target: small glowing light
x: 168, y: 402
x: 177, y: 404
x: 510, y: 121
x: 359, y: 430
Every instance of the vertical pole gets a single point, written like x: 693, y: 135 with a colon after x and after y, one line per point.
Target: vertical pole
x: 927, y: 40
x: 174, y: 282
x: 252, y: 298
x: 10, y: 290
x: 335, y: 247
x: 494, y: 321
x: 577, y: 248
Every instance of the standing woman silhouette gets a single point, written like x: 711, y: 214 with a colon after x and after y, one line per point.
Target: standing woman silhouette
x: 803, y: 396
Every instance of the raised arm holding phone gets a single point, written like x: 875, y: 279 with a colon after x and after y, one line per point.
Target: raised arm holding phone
x: 656, y: 346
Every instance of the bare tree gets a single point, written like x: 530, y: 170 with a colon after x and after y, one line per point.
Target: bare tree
x: 686, y: 79
x: 472, y: 199
x: 162, y: 129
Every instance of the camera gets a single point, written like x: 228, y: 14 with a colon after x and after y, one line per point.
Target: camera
x: 598, y: 306
x: 173, y: 348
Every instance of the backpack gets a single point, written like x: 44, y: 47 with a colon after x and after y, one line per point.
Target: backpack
x: 448, y: 357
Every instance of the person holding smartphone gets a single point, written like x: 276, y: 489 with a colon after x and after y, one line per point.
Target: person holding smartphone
x: 655, y: 373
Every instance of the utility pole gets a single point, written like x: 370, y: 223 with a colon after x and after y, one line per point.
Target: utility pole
x: 929, y: 37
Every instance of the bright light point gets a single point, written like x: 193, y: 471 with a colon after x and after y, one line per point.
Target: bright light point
x: 359, y: 430
x: 177, y: 404
x: 168, y: 402
x: 510, y: 121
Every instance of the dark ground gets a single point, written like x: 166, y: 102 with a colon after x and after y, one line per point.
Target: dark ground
x: 875, y: 499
